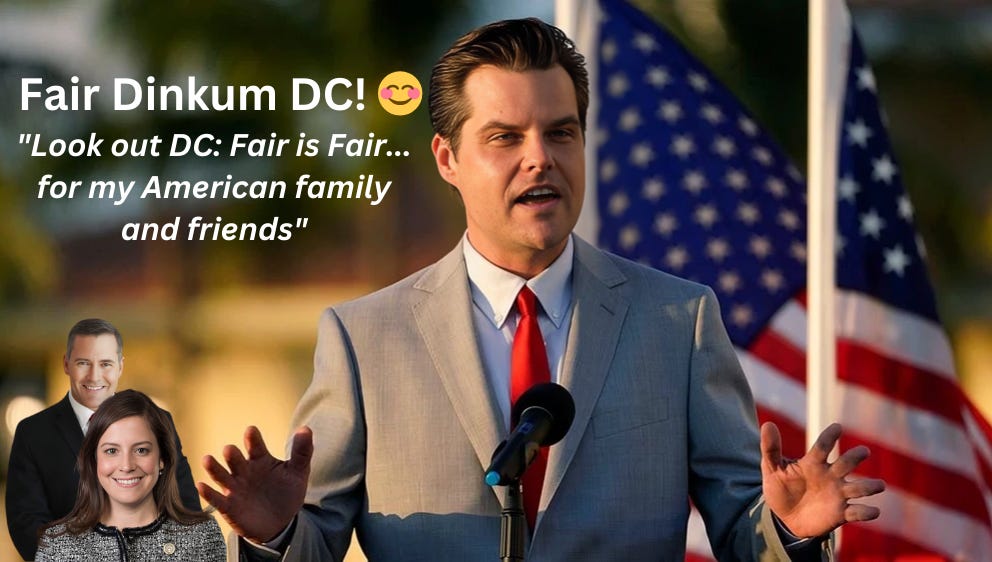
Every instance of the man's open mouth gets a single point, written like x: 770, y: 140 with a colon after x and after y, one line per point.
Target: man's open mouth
x: 539, y: 195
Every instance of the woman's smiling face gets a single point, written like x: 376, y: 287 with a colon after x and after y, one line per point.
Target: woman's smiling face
x: 128, y: 461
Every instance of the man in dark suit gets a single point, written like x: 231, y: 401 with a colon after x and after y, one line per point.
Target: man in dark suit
x: 42, y: 476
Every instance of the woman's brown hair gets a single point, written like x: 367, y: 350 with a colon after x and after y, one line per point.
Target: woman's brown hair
x: 91, y: 499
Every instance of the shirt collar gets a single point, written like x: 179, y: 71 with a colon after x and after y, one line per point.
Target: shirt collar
x: 82, y: 412
x: 494, y: 289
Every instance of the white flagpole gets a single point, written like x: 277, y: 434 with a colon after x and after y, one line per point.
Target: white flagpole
x: 828, y: 53
x: 578, y: 19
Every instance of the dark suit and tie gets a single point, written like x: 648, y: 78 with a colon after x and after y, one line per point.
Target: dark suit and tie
x: 42, y: 478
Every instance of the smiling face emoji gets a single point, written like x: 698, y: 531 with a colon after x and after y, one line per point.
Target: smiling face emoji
x: 400, y: 93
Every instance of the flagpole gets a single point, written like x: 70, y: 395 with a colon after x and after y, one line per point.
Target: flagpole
x: 578, y: 19
x: 828, y: 39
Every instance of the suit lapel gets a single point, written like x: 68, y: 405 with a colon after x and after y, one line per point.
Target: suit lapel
x: 597, y: 318
x: 444, y: 319
x: 68, y: 426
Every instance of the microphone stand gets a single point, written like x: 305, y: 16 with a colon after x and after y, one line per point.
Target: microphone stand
x: 513, y: 525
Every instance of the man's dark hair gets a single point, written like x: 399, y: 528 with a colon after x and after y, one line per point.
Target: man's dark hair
x: 94, y: 327
x: 516, y: 45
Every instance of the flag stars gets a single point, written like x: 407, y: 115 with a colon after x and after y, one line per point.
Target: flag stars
x: 921, y: 247
x: 741, y: 315
x: 665, y: 224
x: 858, y: 133
x: 603, y: 136
x: 866, y: 78
x: 682, y: 146
x: 608, y: 170
x: 630, y: 119
x: 676, y: 258
x: 789, y: 219
x: 706, y: 216
x: 729, y: 282
x: 905, y: 208
x: 776, y: 187
x: 657, y: 76
x: 883, y: 169
x: 848, y: 189
x: 653, y: 189
x: 698, y: 82
x: 609, y: 50
x: 760, y: 247
x: 711, y: 114
x: 619, y: 202
x: 772, y: 280
x: 629, y: 237
x: 748, y: 213
x: 644, y: 43
x: 670, y: 111
x: 896, y: 260
x: 762, y: 155
x: 717, y: 249
x: 641, y: 154
x: 618, y: 85
x: 694, y: 182
x: 797, y: 250
x: 741, y: 163
x: 736, y: 179
x: 724, y: 146
x: 872, y: 224
x: 747, y: 125
x: 794, y: 174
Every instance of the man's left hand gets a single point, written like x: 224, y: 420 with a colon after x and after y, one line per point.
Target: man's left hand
x: 811, y: 496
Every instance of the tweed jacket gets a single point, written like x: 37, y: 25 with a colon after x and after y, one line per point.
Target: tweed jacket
x: 164, y: 540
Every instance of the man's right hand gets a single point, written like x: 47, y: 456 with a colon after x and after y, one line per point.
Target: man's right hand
x: 261, y: 493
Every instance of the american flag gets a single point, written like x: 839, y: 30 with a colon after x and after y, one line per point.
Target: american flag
x: 688, y: 183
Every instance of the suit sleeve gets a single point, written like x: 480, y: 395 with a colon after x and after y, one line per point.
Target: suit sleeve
x: 331, y: 407
x: 184, y: 475
x: 26, y: 502
x: 724, y: 450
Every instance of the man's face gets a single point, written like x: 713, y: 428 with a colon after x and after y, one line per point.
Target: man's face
x: 93, y: 369
x: 520, y: 167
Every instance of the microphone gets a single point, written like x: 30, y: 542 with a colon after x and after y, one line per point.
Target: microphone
x: 540, y: 417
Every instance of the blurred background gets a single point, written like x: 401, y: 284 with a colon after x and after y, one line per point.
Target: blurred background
x: 222, y: 333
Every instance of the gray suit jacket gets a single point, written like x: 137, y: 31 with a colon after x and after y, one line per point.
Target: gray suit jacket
x: 405, y: 423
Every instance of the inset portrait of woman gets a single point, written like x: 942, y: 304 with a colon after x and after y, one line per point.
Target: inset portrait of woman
x: 128, y: 506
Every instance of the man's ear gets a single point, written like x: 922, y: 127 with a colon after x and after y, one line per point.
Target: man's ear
x: 65, y: 363
x: 444, y: 157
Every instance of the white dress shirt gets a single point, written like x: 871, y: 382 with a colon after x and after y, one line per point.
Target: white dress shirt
x: 494, y: 291
x: 495, y: 318
x: 82, y: 413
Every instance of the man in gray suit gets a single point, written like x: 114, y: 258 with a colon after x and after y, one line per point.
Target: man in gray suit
x: 410, y: 393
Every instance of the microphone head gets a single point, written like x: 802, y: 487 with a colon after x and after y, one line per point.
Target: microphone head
x: 555, y: 400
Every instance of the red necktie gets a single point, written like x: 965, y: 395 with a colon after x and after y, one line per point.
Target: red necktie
x: 529, y: 366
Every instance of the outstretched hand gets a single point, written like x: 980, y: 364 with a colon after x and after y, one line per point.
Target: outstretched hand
x: 261, y: 493
x: 812, y: 496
